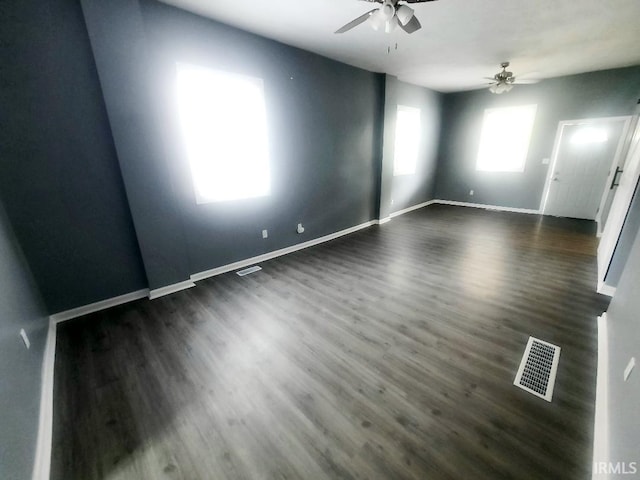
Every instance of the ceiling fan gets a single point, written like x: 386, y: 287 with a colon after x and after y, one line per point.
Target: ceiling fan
x: 503, y: 81
x: 391, y: 14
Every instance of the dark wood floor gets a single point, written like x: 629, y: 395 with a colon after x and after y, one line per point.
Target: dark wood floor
x: 387, y: 354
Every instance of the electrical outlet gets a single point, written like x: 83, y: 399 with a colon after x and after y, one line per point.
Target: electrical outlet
x: 265, y: 233
x: 300, y: 228
x: 471, y: 192
x: 392, y: 201
x: 25, y: 339
x: 630, y: 365
x: 545, y: 161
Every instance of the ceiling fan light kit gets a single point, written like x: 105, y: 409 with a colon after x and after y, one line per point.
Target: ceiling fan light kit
x: 404, y: 14
x: 500, y: 88
x: 376, y: 20
x: 388, y: 10
x: 389, y: 15
x: 502, y: 81
x: 390, y: 25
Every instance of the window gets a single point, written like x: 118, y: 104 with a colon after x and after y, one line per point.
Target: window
x: 224, y: 127
x: 504, y: 141
x: 407, y: 141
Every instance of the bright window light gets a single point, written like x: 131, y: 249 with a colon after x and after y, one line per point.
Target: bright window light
x: 588, y: 135
x: 224, y: 126
x: 407, y: 141
x: 504, y: 141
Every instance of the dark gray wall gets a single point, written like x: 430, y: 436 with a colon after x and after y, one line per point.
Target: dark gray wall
x: 59, y: 178
x: 406, y: 191
x: 121, y: 51
x: 623, y: 321
x: 324, y: 122
x: 599, y: 94
x: 20, y: 369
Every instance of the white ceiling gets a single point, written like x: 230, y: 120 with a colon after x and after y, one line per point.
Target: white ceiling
x: 461, y: 41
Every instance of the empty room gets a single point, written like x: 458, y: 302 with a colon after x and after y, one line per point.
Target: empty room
x: 319, y: 239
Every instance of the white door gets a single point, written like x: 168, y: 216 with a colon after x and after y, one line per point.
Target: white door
x: 619, y: 208
x: 584, y: 155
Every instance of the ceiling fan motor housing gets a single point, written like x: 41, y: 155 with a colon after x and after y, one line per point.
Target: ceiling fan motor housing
x: 504, y: 76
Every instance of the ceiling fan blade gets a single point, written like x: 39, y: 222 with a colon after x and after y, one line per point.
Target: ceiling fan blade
x: 526, y: 81
x: 373, y: 1
x: 412, y: 25
x: 356, y: 22
x: 416, y: 1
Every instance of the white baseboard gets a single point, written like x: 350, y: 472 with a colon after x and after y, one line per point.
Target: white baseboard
x: 410, y: 209
x: 488, y: 207
x: 159, y: 292
x: 176, y: 287
x: 42, y: 463
x: 601, y: 425
x: 277, y: 253
x: 97, y: 306
x: 300, y: 246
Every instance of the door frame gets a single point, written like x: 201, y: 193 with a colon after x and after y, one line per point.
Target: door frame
x: 616, y: 157
x: 618, y: 217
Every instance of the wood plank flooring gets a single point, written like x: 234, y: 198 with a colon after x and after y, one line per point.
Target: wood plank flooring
x: 387, y: 354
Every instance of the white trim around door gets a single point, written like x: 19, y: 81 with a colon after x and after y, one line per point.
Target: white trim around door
x: 614, y: 162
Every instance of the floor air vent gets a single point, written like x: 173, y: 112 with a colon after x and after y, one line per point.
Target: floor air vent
x: 249, y: 270
x: 537, y: 372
